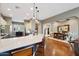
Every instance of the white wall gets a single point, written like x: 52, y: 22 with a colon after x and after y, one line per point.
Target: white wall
x: 74, y: 22
x: 45, y: 27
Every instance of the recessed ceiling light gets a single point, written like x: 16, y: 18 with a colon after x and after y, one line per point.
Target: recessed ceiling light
x: 8, y: 9
x: 31, y: 8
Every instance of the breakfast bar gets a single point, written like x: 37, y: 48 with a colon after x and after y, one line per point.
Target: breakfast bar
x: 25, y: 44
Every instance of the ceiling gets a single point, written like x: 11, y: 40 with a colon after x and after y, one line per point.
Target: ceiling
x: 21, y: 11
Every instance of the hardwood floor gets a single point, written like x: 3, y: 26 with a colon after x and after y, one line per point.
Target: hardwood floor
x: 40, y: 49
x: 54, y: 47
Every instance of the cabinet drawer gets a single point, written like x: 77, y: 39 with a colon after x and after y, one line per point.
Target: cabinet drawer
x: 23, y: 52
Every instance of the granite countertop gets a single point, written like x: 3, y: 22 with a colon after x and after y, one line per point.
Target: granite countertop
x: 13, y: 43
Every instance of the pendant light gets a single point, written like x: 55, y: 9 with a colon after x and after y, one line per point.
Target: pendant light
x: 35, y: 13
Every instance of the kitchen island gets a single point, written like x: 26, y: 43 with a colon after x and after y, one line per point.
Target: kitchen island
x: 11, y: 45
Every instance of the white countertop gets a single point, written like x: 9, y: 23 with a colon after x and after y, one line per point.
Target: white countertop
x: 17, y: 42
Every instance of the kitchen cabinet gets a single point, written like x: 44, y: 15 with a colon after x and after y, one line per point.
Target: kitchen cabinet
x: 22, y: 52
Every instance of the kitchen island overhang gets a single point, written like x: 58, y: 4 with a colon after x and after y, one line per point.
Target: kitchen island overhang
x: 12, y: 44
